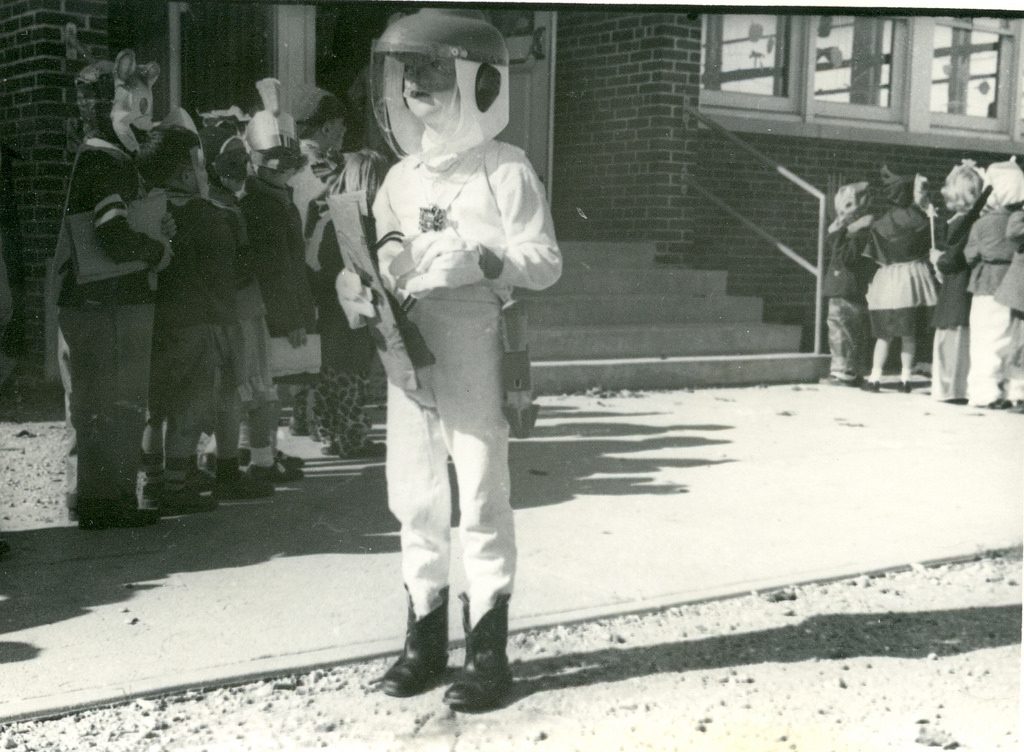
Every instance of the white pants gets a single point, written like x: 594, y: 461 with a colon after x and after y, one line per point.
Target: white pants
x: 951, y: 362
x: 457, y: 413
x: 990, y: 342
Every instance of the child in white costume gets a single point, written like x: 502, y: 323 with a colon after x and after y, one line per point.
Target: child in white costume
x: 473, y: 222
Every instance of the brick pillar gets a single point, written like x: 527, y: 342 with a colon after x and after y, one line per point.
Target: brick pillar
x: 36, y: 101
x: 621, y: 141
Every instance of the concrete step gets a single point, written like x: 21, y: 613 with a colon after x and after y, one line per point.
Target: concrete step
x: 657, y: 340
x: 559, y: 377
x: 608, y: 253
x: 578, y: 279
x: 589, y: 310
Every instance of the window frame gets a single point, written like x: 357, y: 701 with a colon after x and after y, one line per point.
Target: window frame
x: 909, y: 120
x: 761, y: 102
x: 818, y: 109
x: 1004, y: 77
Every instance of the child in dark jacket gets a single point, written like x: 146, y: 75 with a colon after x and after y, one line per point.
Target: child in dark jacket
x: 246, y: 394
x: 951, y: 356
x: 902, y: 292
x: 195, y: 312
x: 846, y: 281
x: 278, y: 252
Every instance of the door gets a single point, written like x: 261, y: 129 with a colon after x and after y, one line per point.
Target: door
x: 530, y: 38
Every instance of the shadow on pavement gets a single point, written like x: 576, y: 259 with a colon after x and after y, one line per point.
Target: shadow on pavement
x: 829, y: 637
x: 55, y: 574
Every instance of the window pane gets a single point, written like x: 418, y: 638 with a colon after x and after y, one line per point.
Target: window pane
x: 746, y: 54
x: 965, y: 71
x: 853, y: 60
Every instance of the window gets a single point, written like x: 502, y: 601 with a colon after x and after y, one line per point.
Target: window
x: 746, y: 55
x: 853, y: 60
x: 970, y: 65
x: 917, y: 80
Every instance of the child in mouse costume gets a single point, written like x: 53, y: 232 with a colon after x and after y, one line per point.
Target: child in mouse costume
x: 107, y: 323
x: 462, y: 219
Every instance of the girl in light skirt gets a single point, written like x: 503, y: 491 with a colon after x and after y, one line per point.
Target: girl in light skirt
x: 902, y: 293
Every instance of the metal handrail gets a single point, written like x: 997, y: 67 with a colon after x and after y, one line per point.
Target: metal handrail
x: 819, y: 270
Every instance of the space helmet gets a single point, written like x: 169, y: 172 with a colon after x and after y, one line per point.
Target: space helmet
x: 480, y: 109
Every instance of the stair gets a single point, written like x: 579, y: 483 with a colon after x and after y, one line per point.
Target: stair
x: 616, y: 321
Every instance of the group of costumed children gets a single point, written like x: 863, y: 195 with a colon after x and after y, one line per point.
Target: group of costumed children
x: 182, y: 344
x: 897, y: 268
x: 210, y: 316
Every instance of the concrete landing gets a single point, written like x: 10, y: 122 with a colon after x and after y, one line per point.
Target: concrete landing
x: 621, y: 504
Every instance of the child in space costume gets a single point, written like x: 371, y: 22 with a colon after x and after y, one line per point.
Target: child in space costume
x: 462, y: 220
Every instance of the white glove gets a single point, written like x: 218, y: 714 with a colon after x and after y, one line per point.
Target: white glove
x: 436, y: 260
x: 355, y: 298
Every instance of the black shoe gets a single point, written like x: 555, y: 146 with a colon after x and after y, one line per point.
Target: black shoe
x: 290, y: 462
x: 184, y: 501
x: 200, y: 480
x: 117, y: 513
x: 871, y: 386
x: 905, y: 387
x: 330, y: 449
x: 241, y: 486
x: 486, y: 679
x: 424, y: 659
x: 999, y: 404
x: 276, y: 473
x: 369, y: 450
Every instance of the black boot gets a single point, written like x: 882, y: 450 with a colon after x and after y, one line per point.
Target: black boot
x: 425, y: 657
x: 486, y: 678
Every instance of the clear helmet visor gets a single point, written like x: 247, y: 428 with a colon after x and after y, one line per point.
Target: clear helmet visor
x: 429, y: 103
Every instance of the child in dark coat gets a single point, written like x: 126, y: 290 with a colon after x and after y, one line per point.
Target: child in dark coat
x: 278, y: 251
x: 951, y: 356
x: 845, y: 283
x: 195, y: 311
x: 902, y: 292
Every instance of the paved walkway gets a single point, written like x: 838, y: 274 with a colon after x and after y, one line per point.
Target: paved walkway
x: 622, y: 503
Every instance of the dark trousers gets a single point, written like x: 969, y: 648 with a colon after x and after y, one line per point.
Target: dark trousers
x: 109, y: 351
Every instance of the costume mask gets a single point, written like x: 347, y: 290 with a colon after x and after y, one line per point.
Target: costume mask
x: 133, y: 98
x: 849, y: 198
x: 270, y: 133
x: 412, y: 81
x: 1007, y: 183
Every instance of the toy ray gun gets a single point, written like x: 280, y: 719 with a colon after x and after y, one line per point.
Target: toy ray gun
x: 518, y: 406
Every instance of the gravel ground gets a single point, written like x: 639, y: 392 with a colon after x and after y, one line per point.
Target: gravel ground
x: 908, y: 660
x: 900, y: 661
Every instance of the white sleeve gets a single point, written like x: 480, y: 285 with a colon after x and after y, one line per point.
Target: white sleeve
x: 532, y: 259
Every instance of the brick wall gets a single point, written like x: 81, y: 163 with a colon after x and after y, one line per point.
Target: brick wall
x: 36, y: 100
x: 622, y: 142
x: 755, y: 267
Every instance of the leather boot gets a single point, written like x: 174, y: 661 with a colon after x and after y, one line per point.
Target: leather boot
x: 425, y: 657
x: 486, y: 679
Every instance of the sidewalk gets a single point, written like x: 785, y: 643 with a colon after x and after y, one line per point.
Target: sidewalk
x: 622, y: 503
